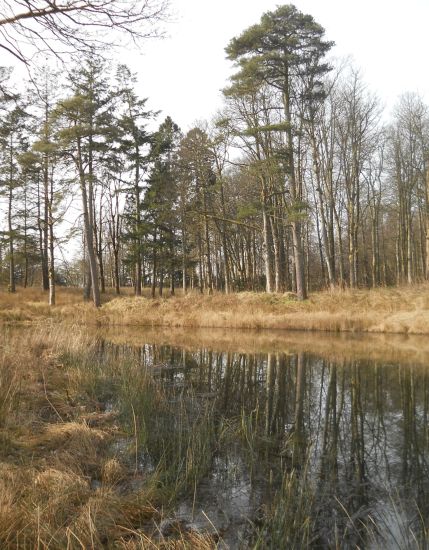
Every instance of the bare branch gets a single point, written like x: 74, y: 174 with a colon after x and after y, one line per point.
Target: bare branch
x: 62, y: 27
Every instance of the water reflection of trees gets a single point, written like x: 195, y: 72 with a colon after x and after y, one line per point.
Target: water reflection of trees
x: 359, y: 428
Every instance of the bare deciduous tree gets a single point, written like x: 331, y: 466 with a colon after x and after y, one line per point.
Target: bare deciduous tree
x: 61, y: 27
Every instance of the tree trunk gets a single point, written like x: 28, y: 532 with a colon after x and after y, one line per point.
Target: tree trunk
x: 51, y: 263
x: 51, y: 248
x: 12, y: 286
x: 183, y: 260
x: 207, y: 236
x: 116, y: 269
x: 154, y: 267
x: 295, y: 195
x: 266, y: 249
x: 45, y: 257
x: 138, y: 267
x: 87, y: 207
x: 427, y: 224
x: 25, y: 240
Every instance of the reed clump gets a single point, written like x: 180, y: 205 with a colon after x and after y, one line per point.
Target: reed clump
x: 75, y: 442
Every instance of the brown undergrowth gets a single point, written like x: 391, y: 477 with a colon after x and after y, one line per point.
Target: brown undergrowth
x: 63, y: 481
x: 385, y: 310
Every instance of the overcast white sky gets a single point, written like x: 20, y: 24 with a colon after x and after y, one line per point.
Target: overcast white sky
x: 183, y: 74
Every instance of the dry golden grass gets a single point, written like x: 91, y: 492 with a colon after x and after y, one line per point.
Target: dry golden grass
x: 60, y: 486
x: 389, y: 310
x: 404, y: 310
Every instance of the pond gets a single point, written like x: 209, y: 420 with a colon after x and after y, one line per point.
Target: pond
x: 257, y: 439
x: 315, y: 439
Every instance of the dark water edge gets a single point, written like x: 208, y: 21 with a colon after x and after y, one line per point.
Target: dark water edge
x: 319, y: 451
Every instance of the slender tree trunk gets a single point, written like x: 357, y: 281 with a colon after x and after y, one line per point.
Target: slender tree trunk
x: 266, y: 247
x: 200, y: 264
x: 183, y: 260
x: 161, y: 281
x: 330, y: 260
x: 51, y: 263
x: 427, y: 225
x: 207, y: 236
x: 45, y: 257
x: 172, y: 267
x: 25, y: 240
x: 138, y: 267
x: 51, y: 247
x: 409, y: 250
x: 224, y: 242
x: 340, y: 249
x: 154, y: 266
x: 276, y: 246
x: 87, y: 207
x: 40, y: 228
x: 98, y: 234
x: 116, y: 270
x: 12, y: 285
x: 295, y: 195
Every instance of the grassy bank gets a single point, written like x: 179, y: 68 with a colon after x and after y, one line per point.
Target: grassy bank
x: 402, y: 310
x: 74, y: 427
x: 95, y: 452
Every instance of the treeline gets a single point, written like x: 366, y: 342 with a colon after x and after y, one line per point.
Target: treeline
x: 299, y: 183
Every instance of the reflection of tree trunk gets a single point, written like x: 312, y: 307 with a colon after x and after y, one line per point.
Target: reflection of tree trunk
x: 298, y: 428
x: 411, y: 464
x: 282, y: 370
x: 271, y: 377
x: 227, y: 379
x: 209, y: 371
x: 299, y: 393
x: 357, y: 428
x: 330, y: 432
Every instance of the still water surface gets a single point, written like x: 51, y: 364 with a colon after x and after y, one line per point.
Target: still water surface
x: 330, y: 428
